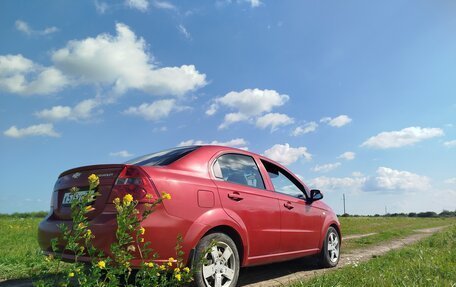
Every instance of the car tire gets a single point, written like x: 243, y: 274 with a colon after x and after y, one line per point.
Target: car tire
x: 217, y: 261
x: 330, y: 252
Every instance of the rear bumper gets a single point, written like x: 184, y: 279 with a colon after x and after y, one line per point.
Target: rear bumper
x: 161, y: 228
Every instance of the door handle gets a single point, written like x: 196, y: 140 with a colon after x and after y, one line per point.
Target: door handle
x: 235, y: 196
x: 288, y: 205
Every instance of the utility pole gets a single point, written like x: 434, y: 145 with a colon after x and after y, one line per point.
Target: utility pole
x: 344, y: 202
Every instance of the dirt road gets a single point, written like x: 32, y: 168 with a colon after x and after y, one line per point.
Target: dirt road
x: 280, y: 274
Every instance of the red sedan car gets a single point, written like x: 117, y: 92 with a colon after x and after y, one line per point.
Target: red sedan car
x: 257, y: 210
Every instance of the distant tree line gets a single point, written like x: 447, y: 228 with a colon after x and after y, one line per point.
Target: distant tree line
x: 35, y: 214
x: 445, y: 213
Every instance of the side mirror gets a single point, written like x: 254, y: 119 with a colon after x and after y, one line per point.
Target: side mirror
x: 315, y: 194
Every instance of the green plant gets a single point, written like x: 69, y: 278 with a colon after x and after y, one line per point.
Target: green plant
x: 113, y: 270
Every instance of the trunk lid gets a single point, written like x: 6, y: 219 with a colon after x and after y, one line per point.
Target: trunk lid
x: 78, y: 177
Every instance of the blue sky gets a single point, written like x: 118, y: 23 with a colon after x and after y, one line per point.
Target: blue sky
x: 356, y: 97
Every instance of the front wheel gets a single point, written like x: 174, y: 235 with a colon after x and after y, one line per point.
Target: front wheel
x: 330, y: 252
x: 219, y: 266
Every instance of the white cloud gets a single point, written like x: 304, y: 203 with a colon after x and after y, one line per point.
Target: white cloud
x: 407, y: 136
x: 20, y: 75
x: 82, y: 111
x: 357, y: 174
x: 154, y: 111
x: 238, y: 143
x: 391, y: 179
x: 386, y: 179
x: 232, y: 118
x: 140, y: 5
x: 326, y: 167
x: 25, y: 28
x: 450, y: 180
x: 34, y: 130
x: 337, y: 122
x: 286, y: 155
x: 122, y: 62
x: 255, y: 3
x: 164, y: 5
x: 451, y: 143
x: 101, y: 6
x: 212, y: 110
x: 184, y: 31
x: 122, y: 153
x: 252, y: 102
x: 304, y: 129
x: 348, y: 155
x: 273, y: 120
x: 338, y: 183
x: 248, y: 104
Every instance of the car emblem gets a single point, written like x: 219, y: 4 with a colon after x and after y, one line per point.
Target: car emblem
x: 76, y: 175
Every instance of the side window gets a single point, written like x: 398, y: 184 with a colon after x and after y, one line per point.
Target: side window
x: 240, y: 169
x: 284, y: 182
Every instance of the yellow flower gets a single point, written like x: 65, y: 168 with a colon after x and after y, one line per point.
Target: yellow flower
x: 71, y: 274
x: 78, y: 270
x: 142, y: 230
x: 170, y: 261
x: 177, y: 270
x: 94, y: 181
x: 127, y: 199
x: 89, y: 233
x: 186, y: 269
x: 141, y: 240
x: 162, y: 267
x: 49, y: 257
x: 116, y: 200
x: 150, y: 264
x: 149, y: 196
x: 101, y: 264
x: 89, y: 208
x: 178, y: 277
x: 81, y: 225
x: 166, y: 195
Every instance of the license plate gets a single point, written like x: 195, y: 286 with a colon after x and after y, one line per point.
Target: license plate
x: 69, y: 196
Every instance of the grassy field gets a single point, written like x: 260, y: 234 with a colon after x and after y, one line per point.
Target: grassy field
x: 430, y: 262
x: 20, y: 256
x: 387, y: 228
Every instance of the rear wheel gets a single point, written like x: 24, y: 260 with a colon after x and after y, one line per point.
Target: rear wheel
x: 330, y: 252
x: 220, y: 261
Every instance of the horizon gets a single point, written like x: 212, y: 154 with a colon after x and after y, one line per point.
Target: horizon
x: 355, y: 98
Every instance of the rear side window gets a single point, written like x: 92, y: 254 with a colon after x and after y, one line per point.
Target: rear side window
x: 163, y: 157
x: 240, y: 169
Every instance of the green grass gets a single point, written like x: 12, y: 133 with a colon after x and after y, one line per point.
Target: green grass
x: 20, y: 256
x: 430, y: 262
x: 387, y: 228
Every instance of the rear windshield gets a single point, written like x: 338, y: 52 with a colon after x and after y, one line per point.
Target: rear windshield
x: 162, y: 157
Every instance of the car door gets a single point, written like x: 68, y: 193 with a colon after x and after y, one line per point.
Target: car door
x: 244, y: 197
x: 301, y: 222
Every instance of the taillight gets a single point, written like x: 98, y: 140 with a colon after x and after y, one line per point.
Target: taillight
x: 133, y: 180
